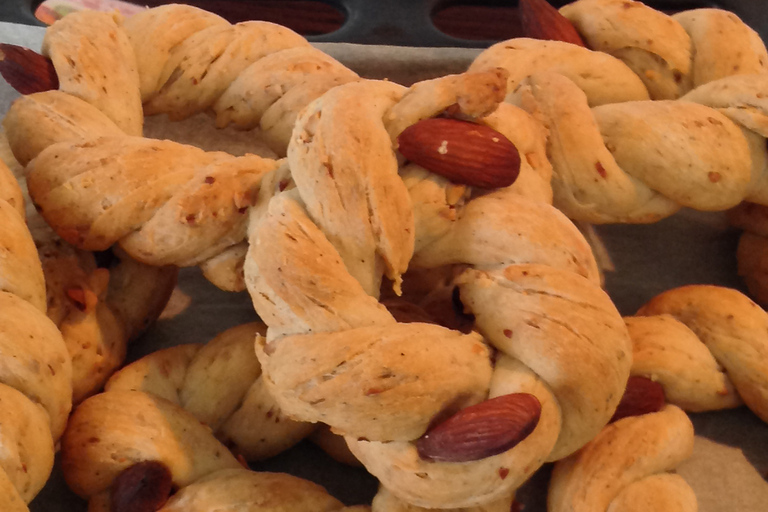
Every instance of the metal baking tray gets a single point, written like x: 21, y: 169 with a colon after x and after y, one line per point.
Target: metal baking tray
x: 410, y: 22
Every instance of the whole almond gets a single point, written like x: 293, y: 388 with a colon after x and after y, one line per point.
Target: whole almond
x: 27, y: 71
x: 483, y: 430
x: 542, y: 21
x: 642, y: 396
x: 143, y: 487
x: 461, y: 151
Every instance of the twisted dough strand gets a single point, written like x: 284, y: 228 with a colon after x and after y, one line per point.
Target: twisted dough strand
x: 220, y: 384
x: 625, y: 468
x: 35, y: 368
x: 732, y: 328
x: 332, y: 352
x: 248, y: 73
x: 166, y: 407
x: 99, y: 308
x: 639, y: 161
x: 112, y: 431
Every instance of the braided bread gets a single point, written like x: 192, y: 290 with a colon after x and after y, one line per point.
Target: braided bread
x: 219, y: 383
x: 384, y: 242
x: 626, y: 467
x: 35, y: 369
x: 98, y: 306
x: 640, y: 161
x: 178, y: 60
x: 120, y: 435
x: 333, y: 354
x: 677, y: 325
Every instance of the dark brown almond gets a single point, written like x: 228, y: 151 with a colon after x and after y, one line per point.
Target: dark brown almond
x: 483, y: 430
x: 143, y: 487
x: 27, y: 71
x: 642, y: 396
x: 542, y: 21
x: 461, y: 151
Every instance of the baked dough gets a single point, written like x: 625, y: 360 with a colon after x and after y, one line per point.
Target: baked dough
x: 220, y: 384
x: 99, y: 306
x: 35, y: 368
x: 626, y: 467
x: 732, y: 328
x: 334, y: 354
x: 636, y: 161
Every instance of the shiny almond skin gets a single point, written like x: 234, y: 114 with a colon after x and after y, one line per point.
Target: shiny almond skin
x: 463, y: 152
x: 542, y: 21
x: 27, y: 71
x: 482, y: 430
x: 143, y: 487
x: 642, y: 396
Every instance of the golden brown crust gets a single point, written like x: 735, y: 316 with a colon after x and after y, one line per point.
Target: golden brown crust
x: 626, y: 159
x: 322, y: 320
x: 732, y: 327
x: 624, y: 453
x: 35, y: 368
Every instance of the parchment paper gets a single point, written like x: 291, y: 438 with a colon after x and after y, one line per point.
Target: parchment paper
x: 730, y: 463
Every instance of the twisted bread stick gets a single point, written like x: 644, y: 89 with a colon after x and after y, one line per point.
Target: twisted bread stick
x: 639, y: 161
x: 333, y: 354
x: 729, y: 325
x: 112, y: 432
x: 98, y: 306
x: 220, y: 384
x: 705, y: 346
x: 250, y: 73
x: 626, y: 467
x: 35, y: 369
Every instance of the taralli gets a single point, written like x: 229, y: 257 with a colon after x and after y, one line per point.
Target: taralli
x: 346, y: 176
x: 125, y: 451
x: 625, y: 158
x: 334, y: 354
x: 439, y: 192
x: 35, y: 368
x: 220, y: 384
x: 627, y: 467
x: 177, y: 60
x: 700, y: 348
x: 706, y: 345
x: 99, y: 302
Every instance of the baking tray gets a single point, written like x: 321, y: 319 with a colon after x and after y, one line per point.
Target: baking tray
x: 410, y: 22
x: 730, y: 460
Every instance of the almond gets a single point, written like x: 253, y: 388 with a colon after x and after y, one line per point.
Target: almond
x: 27, y: 71
x: 143, y: 487
x: 483, y: 430
x: 542, y: 21
x: 642, y: 396
x: 461, y: 151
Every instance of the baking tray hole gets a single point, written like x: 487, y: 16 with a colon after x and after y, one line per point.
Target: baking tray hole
x: 307, y: 17
x: 478, y: 22
x: 500, y: 20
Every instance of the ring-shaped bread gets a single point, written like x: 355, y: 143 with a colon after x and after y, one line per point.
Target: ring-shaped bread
x: 628, y: 159
x: 334, y: 354
x: 100, y: 303
x: 35, y: 368
x: 177, y: 60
